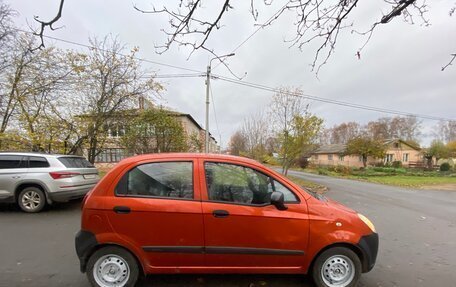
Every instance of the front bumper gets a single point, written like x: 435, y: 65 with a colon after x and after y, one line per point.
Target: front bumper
x: 369, y: 246
x: 85, y: 243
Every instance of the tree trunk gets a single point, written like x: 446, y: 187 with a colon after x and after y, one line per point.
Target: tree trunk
x: 364, y: 161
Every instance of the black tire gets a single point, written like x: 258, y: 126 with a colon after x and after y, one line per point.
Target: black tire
x: 23, y: 200
x: 336, y: 251
x: 127, y: 257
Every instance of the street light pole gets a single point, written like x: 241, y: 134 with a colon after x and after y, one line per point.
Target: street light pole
x: 208, y: 83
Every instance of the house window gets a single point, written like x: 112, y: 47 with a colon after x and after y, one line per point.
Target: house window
x: 396, y: 145
x: 389, y: 157
x: 405, y: 157
x: 316, y: 156
x: 111, y: 155
x: 341, y: 158
x: 330, y: 157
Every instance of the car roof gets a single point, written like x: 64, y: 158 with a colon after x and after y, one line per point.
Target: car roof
x: 209, y: 156
x: 36, y: 154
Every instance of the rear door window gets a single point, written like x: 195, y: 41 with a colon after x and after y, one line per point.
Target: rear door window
x: 12, y: 161
x: 37, y: 162
x: 161, y: 179
x: 75, y: 162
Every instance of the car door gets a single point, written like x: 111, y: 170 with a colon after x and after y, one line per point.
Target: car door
x: 242, y: 230
x: 13, y: 168
x: 157, y: 208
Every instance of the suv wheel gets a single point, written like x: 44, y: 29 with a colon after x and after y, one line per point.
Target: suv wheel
x: 31, y: 199
x: 337, y: 267
x: 112, y: 266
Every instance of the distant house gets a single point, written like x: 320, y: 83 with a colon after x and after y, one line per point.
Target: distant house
x: 333, y: 154
x: 396, y: 150
x: 399, y: 150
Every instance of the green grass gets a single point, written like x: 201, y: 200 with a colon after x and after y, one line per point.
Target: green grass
x: 408, y: 180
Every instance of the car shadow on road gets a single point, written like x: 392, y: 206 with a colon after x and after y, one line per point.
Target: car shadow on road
x: 56, y: 207
x: 225, y: 280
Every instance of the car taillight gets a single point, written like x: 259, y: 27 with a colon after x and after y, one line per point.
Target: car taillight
x: 63, y: 174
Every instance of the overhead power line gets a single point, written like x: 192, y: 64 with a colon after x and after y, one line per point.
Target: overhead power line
x: 254, y: 85
x: 104, y: 50
x: 330, y: 101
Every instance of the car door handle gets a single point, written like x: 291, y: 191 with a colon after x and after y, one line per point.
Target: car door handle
x: 122, y: 209
x: 220, y: 213
x: 16, y: 176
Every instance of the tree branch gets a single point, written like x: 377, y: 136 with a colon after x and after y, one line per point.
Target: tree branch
x: 49, y: 24
x: 453, y: 56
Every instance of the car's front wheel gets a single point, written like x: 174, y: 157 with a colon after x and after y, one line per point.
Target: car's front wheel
x: 337, y: 267
x: 112, y: 266
x: 31, y: 199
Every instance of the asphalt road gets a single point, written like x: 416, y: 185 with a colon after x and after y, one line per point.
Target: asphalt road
x: 417, y: 242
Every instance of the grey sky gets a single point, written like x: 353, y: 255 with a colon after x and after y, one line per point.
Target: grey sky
x: 399, y: 69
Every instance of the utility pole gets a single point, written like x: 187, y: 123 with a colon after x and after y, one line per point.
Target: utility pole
x: 208, y: 86
x: 208, y: 82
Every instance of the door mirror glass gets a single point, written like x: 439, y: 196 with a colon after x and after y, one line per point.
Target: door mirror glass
x: 277, y: 199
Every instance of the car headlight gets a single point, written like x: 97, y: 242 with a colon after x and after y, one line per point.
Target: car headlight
x: 367, y: 222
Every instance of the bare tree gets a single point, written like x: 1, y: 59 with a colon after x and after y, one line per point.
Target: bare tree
x: 30, y: 89
x: 287, y: 108
x: 12, y: 79
x: 446, y: 131
x: 255, y: 130
x: 341, y: 134
x: 109, y: 82
x: 405, y: 128
x: 7, y: 33
x: 319, y: 21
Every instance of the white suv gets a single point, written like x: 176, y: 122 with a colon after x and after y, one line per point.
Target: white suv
x: 33, y: 179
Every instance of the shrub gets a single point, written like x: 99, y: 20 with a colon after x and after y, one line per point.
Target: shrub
x: 397, y: 164
x: 302, y: 162
x: 343, y: 169
x: 445, y: 166
x: 322, y: 171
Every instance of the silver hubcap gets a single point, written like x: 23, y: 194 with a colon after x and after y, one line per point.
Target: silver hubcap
x: 111, y: 271
x: 338, y: 271
x: 31, y: 200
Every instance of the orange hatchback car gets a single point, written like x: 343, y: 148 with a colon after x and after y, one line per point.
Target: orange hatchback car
x: 204, y: 213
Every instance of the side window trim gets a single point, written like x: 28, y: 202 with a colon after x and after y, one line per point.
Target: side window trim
x: 125, y: 182
x: 270, y: 177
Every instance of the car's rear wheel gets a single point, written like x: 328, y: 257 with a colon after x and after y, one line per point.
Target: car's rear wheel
x: 112, y: 266
x: 337, y: 267
x: 31, y: 199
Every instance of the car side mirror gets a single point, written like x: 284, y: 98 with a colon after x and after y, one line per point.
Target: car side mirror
x: 277, y: 199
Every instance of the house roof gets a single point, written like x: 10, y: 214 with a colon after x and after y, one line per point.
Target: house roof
x: 331, y: 148
x: 390, y: 141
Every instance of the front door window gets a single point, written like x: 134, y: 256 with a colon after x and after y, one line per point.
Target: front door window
x: 239, y: 184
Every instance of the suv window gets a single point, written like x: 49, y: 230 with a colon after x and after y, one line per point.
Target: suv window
x: 239, y: 184
x: 12, y: 161
x: 161, y: 179
x: 75, y: 162
x: 37, y: 162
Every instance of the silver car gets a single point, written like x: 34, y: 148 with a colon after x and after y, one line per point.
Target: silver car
x: 33, y: 179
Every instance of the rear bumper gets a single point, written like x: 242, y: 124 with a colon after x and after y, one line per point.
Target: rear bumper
x: 85, y: 243
x: 67, y: 195
x: 369, y: 246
